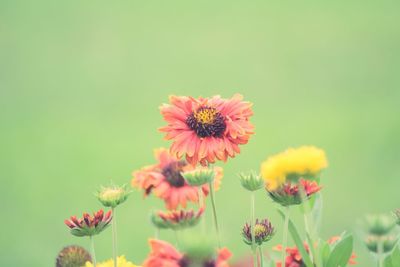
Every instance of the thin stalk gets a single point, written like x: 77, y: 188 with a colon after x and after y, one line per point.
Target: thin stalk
x: 285, y: 235
x: 214, y: 212
x: 93, y: 251
x: 177, y: 238
x: 157, y: 233
x: 253, y: 222
x: 261, y: 256
x: 114, y: 235
x: 380, y: 253
x: 201, y: 204
x: 310, y: 237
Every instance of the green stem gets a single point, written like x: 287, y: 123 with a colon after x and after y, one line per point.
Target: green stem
x: 157, y: 233
x: 214, y: 213
x: 93, y: 251
x: 253, y: 222
x: 261, y: 256
x: 201, y: 205
x: 380, y: 253
x: 177, y: 238
x: 114, y: 236
x: 285, y: 235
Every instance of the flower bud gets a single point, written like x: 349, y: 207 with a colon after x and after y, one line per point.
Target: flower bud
x: 388, y: 243
x: 263, y: 231
x: 113, y: 195
x: 379, y: 224
x: 72, y: 256
x: 251, y: 181
x: 199, y: 176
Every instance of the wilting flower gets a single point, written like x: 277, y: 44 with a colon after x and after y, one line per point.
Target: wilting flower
x: 165, y: 180
x: 379, y: 224
x: 263, y: 231
x: 293, y: 194
x: 113, y: 195
x: 199, y: 176
x: 164, y: 254
x: 121, y: 262
x: 207, y: 129
x: 89, y: 225
x: 72, y: 256
x: 177, y: 220
x: 388, y: 243
x: 251, y: 181
x: 294, y: 259
x: 292, y: 164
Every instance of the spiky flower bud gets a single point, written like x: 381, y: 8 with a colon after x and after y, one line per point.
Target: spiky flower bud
x: 176, y: 219
x: 199, y: 176
x: 72, y: 256
x: 251, y: 181
x: 379, y: 224
x: 89, y: 225
x: 113, y: 195
x: 263, y: 231
x: 388, y: 242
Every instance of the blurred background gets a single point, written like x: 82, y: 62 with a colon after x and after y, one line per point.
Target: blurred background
x: 81, y: 83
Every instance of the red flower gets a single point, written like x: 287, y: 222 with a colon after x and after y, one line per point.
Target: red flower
x: 207, y: 129
x: 165, y: 180
x: 165, y: 255
x: 89, y: 225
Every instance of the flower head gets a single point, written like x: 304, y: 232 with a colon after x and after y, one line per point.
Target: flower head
x: 113, y: 195
x: 165, y: 180
x: 72, y: 256
x: 89, y: 225
x: 294, y: 259
x: 379, y: 224
x: 207, y: 129
x: 251, y: 181
x: 199, y: 176
x: 263, y: 231
x: 177, y: 220
x: 121, y: 262
x: 388, y: 242
x: 164, y: 254
x: 292, y: 164
x: 293, y: 194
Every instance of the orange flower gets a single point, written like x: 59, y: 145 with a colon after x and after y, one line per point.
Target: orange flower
x: 164, y: 254
x: 207, y: 129
x: 164, y: 179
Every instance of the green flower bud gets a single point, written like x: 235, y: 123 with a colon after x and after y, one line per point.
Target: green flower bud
x: 388, y: 243
x: 251, y: 181
x: 263, y: 232
x: 379, y: 224
x: 72, y: 256
x: 199, y: 176
x: 113, y: 195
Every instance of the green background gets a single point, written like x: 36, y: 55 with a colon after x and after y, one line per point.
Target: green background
x: 81, y: 82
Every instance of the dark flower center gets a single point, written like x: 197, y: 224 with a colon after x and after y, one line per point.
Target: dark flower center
x: 172, y: 173
x: 186, y: 262
x: 206, y: 122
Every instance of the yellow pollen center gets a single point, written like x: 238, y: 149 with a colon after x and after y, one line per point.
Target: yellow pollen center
x: 205, y: 115
x: 111, y: 194
x: 259, y: 229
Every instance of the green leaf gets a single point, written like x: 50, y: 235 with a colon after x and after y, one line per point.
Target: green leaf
x: 316, y: 213
x: 395, y: 256
x: 388, y: 262
x: 341, y: 253
x: 299, y: 243
x: 325, y: 252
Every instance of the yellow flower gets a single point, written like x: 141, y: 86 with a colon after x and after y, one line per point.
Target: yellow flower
x: 294, y: 162
x: 121, y: 262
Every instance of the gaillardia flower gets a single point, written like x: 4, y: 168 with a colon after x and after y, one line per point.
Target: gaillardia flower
x: 263, y: 231
x: 177, y: 220
x: 72, y: 256
x: 121, y: 262
x: 294, y: 259
x: 207, y: 129
x: 293, y: 194
x: 199, y: 176
x: 303, y: 162
x: 89, y: 225
x: 165, y: 180
x: 164, y: 254
x: 113, y: 195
